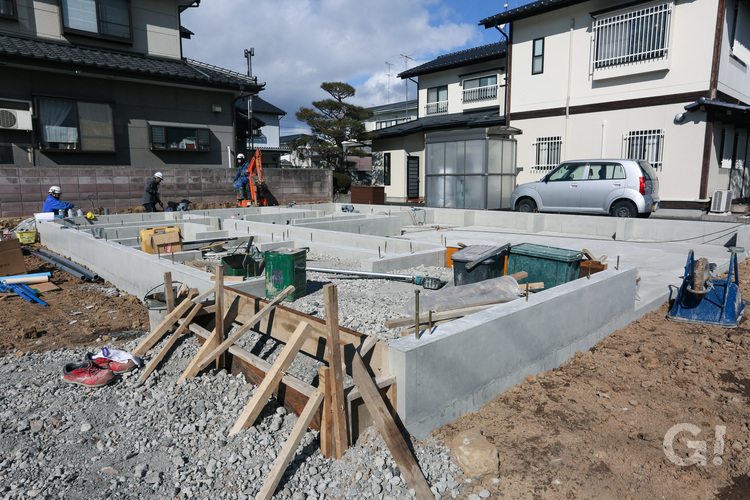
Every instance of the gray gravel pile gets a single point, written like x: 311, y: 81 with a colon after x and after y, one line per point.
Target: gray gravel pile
x: 161, y: 440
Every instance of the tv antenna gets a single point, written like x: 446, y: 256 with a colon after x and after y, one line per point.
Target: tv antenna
x: 388, y: 84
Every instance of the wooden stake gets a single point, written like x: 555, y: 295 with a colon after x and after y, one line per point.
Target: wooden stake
x: 168, y: 346
x: 326, y: 429
x: 165, y: 325
x: 333, y: 346
x: 168, y: 291
x: 274, y: 375
x: 205, y: 361
x: 290, y: 447
x: 217, y: 338
x: 398, y: 446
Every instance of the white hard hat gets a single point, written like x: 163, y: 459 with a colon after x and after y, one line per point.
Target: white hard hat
x: 159, y: 175
x: 55, y: 190
x: 240, y: 156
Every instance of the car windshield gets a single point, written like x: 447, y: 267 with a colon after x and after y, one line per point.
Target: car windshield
x: 648, y: 170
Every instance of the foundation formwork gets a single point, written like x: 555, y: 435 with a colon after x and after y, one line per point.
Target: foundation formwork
x: 462, y: 364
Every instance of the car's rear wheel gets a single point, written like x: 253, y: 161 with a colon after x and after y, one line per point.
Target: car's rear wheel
x: 526, y: 205
x: 623, y: 209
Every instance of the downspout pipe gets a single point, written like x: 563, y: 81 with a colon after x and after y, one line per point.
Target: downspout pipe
x: 64, y: 264
x: 506, y: 102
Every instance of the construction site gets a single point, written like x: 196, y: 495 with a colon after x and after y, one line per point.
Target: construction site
x: 544, y: 335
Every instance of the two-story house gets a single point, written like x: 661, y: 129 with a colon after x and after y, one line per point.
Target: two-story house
x: 388, y: 115
x: 666, y: 81
x: 264, y: 133
x: 450, y: 154
x: 95, y: 96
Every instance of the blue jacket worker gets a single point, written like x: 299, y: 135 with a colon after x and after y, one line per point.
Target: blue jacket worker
x: 53, y: 203
x: 241, y: 179
x: 151, y: 193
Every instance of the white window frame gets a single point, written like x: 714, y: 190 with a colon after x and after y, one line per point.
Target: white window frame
x: 740, y: 32
x: 624, y: 38
x: 481, y: 92
x: 547, y: 153
x: 434, y: 106
x: 645, y: 145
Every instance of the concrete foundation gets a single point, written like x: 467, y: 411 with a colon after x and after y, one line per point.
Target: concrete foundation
x: 462, y: 364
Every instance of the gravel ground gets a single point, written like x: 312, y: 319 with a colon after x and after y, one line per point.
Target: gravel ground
x: 161, y: 440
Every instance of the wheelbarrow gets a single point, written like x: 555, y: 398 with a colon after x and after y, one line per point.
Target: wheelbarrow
x: 704, y: 300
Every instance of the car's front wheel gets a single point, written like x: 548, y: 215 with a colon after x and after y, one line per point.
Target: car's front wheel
x: 623, y: 209
x: 526, y: 205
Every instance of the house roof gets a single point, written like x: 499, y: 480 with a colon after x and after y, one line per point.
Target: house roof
x: 395, y: 106
x: 95, y: 61
x: 259, y: 106
x: 528, y: 10
x: 474, y: 119
x: 460, y: 58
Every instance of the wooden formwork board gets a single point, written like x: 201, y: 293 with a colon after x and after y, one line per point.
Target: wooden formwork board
x: 281, y: 323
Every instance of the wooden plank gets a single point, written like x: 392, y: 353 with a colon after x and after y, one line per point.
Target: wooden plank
x: 367, y: 345
x: 240, y: 332
x: 231, y: 279
x: 168, y: 291
x: 385, y: 423
x: 588, y: 254
x: 358, y: 414
x: 165, y: 325
x: 340, y: 433
x: 326, y: 427
x: 184, y: 324
x: 519, y: 275
x: 203, y: 296
x: 284, y: 320
x: 264, y: 390
x: 218, y: 337
x: 290, y: 448
x: 292, y: 392
x: 190, y: 371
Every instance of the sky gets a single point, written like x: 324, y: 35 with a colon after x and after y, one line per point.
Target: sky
x: 300, y: 44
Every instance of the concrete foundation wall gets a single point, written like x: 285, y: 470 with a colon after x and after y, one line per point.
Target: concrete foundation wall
x: 467, y: 362
x: 24, y: 189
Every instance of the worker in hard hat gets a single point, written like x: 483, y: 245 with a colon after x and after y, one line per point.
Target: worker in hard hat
x: 53, y: 203
x: 151, y: 196
x: 242, y: 178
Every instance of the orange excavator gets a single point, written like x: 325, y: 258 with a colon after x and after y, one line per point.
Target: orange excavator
x: 256, y: 184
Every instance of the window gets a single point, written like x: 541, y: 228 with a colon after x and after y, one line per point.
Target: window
x: 537, y: 56
x: 633, y: 36
x: 75, y: 125
x: 106, y: 18
x: 174, y: 137
x: 480, y: 89
x: 8, y: 9
x: 546, y: 153
x: 568, y: 172
x: 605, y: 171
x: 740, y: 32
x: 387, y: 169
x: 644, y: 145
x: 390, y: 123
x: 437, y: 100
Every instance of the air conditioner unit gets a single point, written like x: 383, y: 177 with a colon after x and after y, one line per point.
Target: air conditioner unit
x: 16, y: 119
x: 721, y: 201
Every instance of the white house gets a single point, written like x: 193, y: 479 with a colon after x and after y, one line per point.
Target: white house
x: 265, y: 130
x: 665, y: 81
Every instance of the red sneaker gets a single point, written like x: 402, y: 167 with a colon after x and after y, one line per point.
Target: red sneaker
x: 114, y: 366
x: 87, y: 373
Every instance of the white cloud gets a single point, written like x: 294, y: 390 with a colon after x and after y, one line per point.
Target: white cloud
x: 301, y: 43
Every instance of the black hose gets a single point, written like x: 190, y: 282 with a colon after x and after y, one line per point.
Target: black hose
x: 65, y: 265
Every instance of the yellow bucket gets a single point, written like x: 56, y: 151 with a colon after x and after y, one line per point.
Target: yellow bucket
x: 26, y: 237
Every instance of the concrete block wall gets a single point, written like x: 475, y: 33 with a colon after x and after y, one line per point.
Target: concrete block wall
x: 24, y: 189
x: 467, y: 362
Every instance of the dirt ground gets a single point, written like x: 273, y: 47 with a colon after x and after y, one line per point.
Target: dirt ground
x: 593, y: 428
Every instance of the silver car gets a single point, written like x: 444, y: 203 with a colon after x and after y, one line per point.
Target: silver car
x: 621, y: 188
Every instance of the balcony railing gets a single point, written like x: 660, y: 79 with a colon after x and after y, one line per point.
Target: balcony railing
x: 480, y: 94
x: 436, y: 108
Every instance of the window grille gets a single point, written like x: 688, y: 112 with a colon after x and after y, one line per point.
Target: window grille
x: 644, y: 145
x: 633, y: 36
x: 546, y: 153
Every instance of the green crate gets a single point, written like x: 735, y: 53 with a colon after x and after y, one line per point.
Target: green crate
x: 553, y: 266
x: 232, y: 265
x: 283, y: 268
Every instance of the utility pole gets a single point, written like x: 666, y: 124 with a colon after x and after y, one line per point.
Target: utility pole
x: 388, y: 85
x: 249, y: 53
x: 407, y: 58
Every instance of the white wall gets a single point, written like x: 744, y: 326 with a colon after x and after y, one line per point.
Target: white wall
x: 400, y: 149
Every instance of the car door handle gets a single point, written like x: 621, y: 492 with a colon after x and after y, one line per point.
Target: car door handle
x: 574, y: 185
x: 618, y: 184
